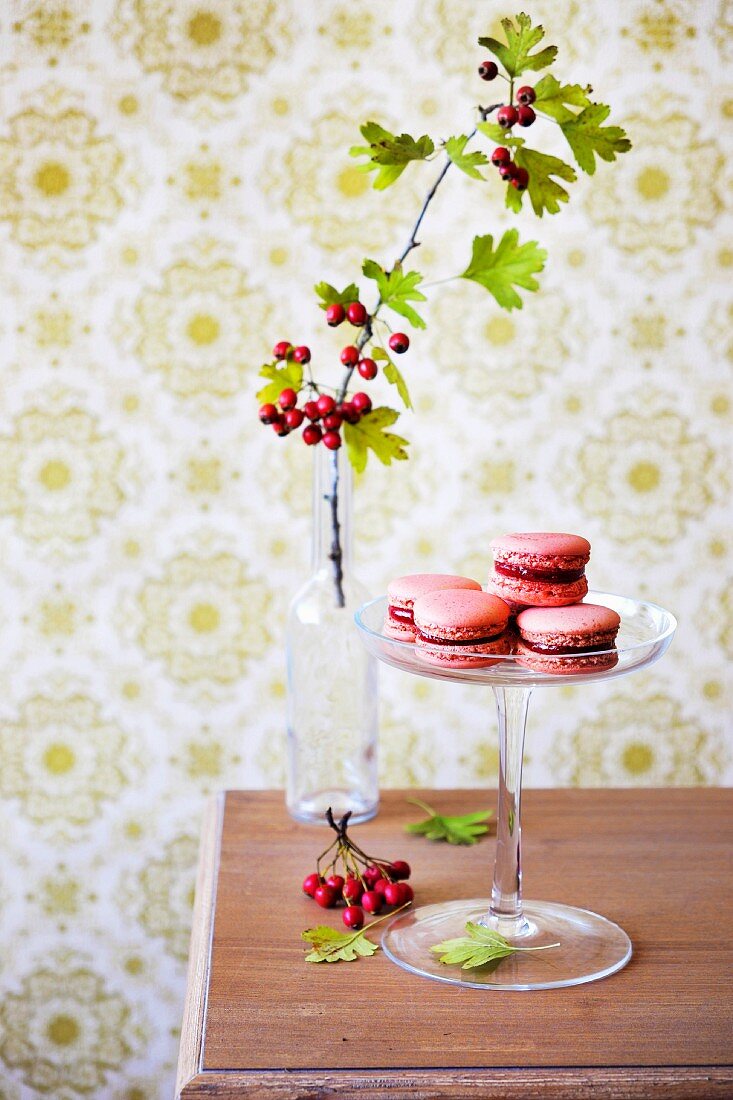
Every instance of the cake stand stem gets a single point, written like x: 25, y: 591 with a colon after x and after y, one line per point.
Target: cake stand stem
x: 505, y: 914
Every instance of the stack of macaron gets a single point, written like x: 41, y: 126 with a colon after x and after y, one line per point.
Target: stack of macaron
x: 532, y: 609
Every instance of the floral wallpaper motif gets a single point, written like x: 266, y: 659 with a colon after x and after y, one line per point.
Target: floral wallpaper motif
x: 173, y: 180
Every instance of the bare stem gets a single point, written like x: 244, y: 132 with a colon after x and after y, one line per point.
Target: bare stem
x: 336, y: 554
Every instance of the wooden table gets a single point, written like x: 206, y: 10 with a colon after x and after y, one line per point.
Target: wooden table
x: 260, y: 1022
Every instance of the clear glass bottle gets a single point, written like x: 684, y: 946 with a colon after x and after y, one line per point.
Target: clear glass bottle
x: 332, y: 679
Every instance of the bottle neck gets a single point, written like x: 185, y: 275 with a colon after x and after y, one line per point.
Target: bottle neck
x: 332, y: 493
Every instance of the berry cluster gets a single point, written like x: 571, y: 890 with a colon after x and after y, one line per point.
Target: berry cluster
x: 366, y: 885
x: 325, y: 414
x: 501, y: 158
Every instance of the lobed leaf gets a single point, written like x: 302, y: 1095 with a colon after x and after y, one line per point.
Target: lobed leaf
x: 283, y: 376
x: 330, y: 295
x: 545, y: 193
x: 554, y: 98
x: 329, y: 945
x: 370, y: 435
x: 521, y: 38
x: 455, y: 829
x: 397, y: 289
x: 505, y: 267
x: 467, y: 162
x: 588, y: 139
x: 389, y: 154
x: 392, y: 374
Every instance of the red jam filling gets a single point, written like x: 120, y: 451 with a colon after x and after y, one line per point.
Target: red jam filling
x: 401, y: 615
x: 551, y: 576
x: 567, y: 649
x: 455, y: 641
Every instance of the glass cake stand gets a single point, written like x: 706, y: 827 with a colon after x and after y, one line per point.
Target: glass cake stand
x: 591, y: 946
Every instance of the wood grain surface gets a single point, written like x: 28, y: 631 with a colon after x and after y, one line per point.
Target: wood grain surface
x: 657, y: 862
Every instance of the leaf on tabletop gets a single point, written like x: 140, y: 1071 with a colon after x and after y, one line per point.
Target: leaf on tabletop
x: 555, y: 99
x: 389, y: 154
x: 456, y: 829
x: 370, y: 435
x: 330, y: 295
x: 467, y: 162
x: 588, y: 139
x: 329, y: 945
x: 283, y: 376
x: 392, y: 374
x: 480, y: 947
x: 505, y: 267
x: 545, y: 193
x: 397, y: 289
x: 521, y: 38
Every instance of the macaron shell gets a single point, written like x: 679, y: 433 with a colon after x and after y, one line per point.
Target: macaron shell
x: 556, y: 665
x: 522, y: 592
x: 540, y: 548
x: 403, y: 591
x: 455, y: 614
x: 466, y: 656
x: 399, y: 632
x: 582, y: 625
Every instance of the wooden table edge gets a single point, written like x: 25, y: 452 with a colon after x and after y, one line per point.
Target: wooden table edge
x: 553, y: 1083
x: 191, y: 1049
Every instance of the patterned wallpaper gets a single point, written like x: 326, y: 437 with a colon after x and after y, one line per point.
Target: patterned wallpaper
x: 173, y: 179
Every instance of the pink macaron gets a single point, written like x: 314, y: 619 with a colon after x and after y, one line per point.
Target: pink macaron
x: 402, y: 593
x: 462, y: 628
x: 565, y: 640
x: 539, y: 569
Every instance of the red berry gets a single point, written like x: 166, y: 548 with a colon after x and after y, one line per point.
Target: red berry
x: 380, y: 885
x: 332, y: 440
x: 488, y: 70
x: 399, y: 342
x: 372, y: 901
x: 325, y: 404
x: 280, y: 351
x: 500, y: 156
x: 362, y: 402
x: 302, y: 354
x: 521, y: 179
x: 367, y: 369
x: 337, y: 881
x: 525, y: 116
x: 371, y: 874
x: 400, y: 869
x: 353, y: 916
x: 311, y: 410
x: 393, y: 893
x: 352, y: 891
x: 526, y: 95
x: 508, y: 171
x: 288, y: 400
x: 311, y: 884
x: 268, y: 414
x: 350, y: 355
x: 312, y: 434
x: 356, y: 313
x: 408, y: 893
x: 349, y: 412
x: 335, y: 314
x: 332, y: 422
x: 326, y: 896
x: 507, y: 117
x: 294, y: 418
x: 280, y: 427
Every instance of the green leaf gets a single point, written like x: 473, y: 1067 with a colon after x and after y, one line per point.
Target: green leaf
x: 330, y: 945
x: 397, y: 289
x: 389, y: 154
x: 545, y: 193
x: 589, y: 139
x: 521, y: 38
x: 495, y: 133
x: 553, y: 98
x: 460, y: 829
x: 370, y: 435
x: 510, y: 264
x: 288, y: 375
x: 467, y: 162
x: 393, y: 374
x: 329, y: 295
x: 479, y: 948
